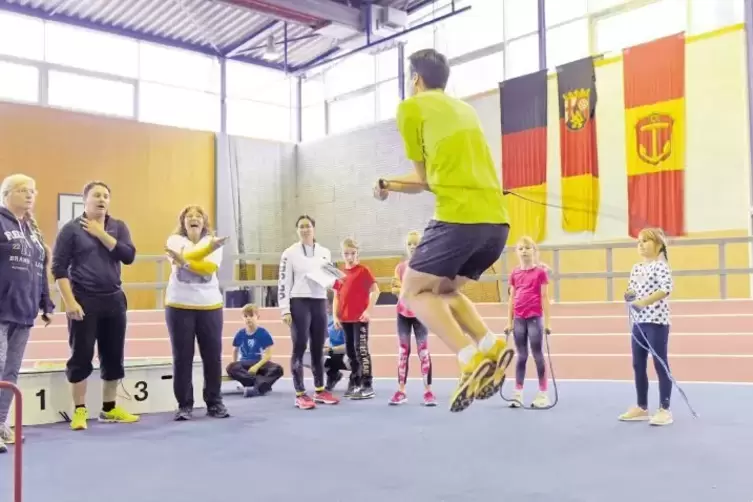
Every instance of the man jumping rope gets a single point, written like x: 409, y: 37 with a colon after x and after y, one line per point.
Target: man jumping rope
x: 444, y: 140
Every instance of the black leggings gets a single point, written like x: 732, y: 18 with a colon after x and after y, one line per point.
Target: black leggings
x: 357, y: 350
x: 308, y: 329
x: 529, y: 331
x: 188, y: 328
x: 103, y: 325
x: 404, y: 327
x: 658, y: 337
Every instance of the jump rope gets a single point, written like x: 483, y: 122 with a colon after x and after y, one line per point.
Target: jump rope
x: 632, y: 311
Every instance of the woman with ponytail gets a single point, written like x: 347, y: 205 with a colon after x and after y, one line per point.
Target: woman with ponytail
x: 24, y: 287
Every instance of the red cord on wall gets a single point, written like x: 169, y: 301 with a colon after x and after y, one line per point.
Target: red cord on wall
x: 19, y: 446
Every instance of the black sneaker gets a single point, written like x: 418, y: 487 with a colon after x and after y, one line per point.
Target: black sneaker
x: 333, y: 380
x: 352, y: 391
x: 183, y: 414
x: 217, y: 411
x: 366, y: 392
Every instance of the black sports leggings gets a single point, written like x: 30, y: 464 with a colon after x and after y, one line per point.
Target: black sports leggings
x: 309, y: 328
x: 530, y: 331
x: 658, y: 337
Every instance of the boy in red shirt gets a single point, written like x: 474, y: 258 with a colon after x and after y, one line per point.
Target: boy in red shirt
x: 355, y: 296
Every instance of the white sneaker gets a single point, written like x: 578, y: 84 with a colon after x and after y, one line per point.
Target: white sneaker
x: 7, y: 435
x: 3, y: 448
x: 517, y: 399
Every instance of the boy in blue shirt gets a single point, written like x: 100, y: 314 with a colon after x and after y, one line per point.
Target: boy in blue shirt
x: 254, y: 370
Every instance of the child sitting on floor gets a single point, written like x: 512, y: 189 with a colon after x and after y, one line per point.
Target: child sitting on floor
x: 255, y: 370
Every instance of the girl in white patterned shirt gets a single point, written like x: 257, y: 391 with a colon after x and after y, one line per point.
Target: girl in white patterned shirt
x: 650, y: 285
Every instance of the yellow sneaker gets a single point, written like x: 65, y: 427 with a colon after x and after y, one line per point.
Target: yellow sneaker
x: 118, y: 415
x: 501, y: 357
x: 472, y: 374
x: 541, y: 400
x: 634, y: 414
x: 661, y: 417
x: 516, y: 399
x: 78, y: 421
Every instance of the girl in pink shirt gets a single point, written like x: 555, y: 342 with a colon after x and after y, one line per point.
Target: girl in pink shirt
x: 528, y: 318
x: 407, y: 322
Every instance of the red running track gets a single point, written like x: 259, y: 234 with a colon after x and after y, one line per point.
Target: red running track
x: 710, y: 340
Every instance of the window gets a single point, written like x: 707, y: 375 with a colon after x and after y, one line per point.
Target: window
x: 21, y: 36
x: 423, y: 38
x: 522, y: 56
x: 352, y: 73
x: 640, y: 25
x: 480, y: 27
x: 19, y: 82
x: 312, y: 91
x: 347, y: 114
x: 521, y: 17
x: 387, y: 62
x: 313, y: 122
x: 558, y: 11
x: 90, y: 94
x: 172, y: 106
x: 599, y: 5
x: 190, y: 70
x: 388, y: 96
x: 479, y: 75
x: 90, y: 50
x: 566, y: 43
x: 708, y: 16
x: 258, y: 120
x: 246, y: 81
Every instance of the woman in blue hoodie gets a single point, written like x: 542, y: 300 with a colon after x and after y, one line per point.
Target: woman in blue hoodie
x: 24, y: 287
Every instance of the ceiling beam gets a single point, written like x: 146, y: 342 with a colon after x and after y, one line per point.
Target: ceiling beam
x: 324, y: 10
x: 233, y: 49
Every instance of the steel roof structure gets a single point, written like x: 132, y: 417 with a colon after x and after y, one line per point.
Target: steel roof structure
x: 286, y: 35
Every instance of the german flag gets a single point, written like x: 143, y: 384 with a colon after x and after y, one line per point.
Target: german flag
x: 654, y: 78
x: 579, y: 163
x: 523, y: 104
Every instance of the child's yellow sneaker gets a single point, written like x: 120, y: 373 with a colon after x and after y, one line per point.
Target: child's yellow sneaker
x: 634, y: 414
x: 479, y: 368
x: 117, y: 415
x: 661, y: 417
x: 516, y: 401
x: 541, y: 400
x: 78, y: 421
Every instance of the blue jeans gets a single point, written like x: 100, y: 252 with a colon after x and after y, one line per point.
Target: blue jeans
x: 13, y: 340
x: 658, y: 337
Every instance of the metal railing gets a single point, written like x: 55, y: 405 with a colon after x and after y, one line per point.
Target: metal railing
x: 261, y: 287
x: 18, y: 449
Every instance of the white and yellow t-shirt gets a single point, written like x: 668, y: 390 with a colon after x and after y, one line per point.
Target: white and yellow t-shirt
x: 187, y: 289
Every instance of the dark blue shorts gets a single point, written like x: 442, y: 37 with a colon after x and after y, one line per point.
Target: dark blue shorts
x: 458, y: 249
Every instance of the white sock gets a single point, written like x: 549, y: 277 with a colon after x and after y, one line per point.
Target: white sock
x: 466, y: 354
x: 487, y: 343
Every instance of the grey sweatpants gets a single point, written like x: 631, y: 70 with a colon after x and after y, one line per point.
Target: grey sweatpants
x: 13, y: 339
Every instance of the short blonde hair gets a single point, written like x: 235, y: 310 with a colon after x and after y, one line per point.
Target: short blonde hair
x: 6, y: 187
x: 655, y: 235
x: 349, y: 242
x: 250, y: 310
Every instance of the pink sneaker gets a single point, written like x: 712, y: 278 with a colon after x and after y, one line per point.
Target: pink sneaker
x: 398, y: 398
x: 429, y: 399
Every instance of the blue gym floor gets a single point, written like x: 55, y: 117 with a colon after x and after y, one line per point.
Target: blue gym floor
x: 371, y: 452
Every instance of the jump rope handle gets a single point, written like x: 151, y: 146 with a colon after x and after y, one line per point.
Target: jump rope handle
x: 382, y: 184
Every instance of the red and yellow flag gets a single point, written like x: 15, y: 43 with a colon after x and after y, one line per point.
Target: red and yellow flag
x: 654, y: 78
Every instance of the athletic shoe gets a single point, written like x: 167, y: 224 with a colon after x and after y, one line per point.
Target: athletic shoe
x: 501, y: 358
x: 479, y: 369
x: 333, y: 380
x: 634, y: 414
x: 366, y: 392
x: 517, y: 399
x: 541, y: 400
x: 217, y: 410
x: 304, y: 402
x: 7, y: 435
x: 118, y: 415
x: 352, y: 391
x: 251, y: 392
x: 429, y: 399
x: 78, y: 421
x: 183, y: 414
x: 325, y: 397
x: 661, y: 417
x: 398, y: 398
x: 3, y: 448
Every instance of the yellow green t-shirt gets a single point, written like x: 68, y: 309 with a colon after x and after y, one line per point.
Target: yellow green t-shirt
x: 445, y: 134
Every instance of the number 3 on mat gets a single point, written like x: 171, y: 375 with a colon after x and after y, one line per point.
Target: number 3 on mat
x: 143, y: 392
